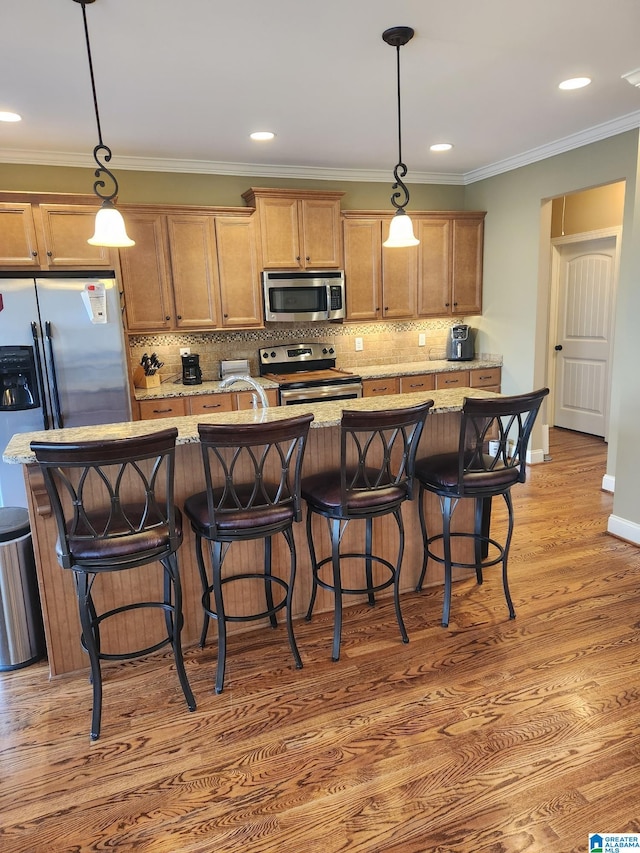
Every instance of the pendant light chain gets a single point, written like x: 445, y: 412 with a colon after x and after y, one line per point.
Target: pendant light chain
x: 400, y: 170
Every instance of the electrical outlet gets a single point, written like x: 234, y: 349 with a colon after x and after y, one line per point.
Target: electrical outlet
x: 359, y: 345
x: 422, y: 339
x: 185, y: 350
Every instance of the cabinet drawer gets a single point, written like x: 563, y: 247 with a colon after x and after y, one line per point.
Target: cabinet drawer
x: 209, y: 404
x: 421, y: 382
x: 164, y: 407
x: 486, y: 377
x: 380, y: 387
x: 244, y: 399
x: 453, y: 379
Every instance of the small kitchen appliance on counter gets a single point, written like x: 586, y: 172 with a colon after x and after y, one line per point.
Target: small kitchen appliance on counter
x: 461, y: 343
x: 191, y: 373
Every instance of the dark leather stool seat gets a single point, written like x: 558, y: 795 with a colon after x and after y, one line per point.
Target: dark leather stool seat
x: 375, y: 477
x: 473, y: 472
x: 252, y: 474
x: 113, y: 506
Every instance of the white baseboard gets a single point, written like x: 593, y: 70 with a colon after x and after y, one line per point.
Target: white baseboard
x: 624, y: 529
x: 535, y: 456
x: 609, y: 483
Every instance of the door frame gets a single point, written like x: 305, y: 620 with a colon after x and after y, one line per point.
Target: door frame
x: 556, y: 244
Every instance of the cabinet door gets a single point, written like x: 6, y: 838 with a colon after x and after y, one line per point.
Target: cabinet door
x: 18, y: 246
x: 145, y: 274
x: 321, y: 237
x: 66, y: 229
x: 434, y: 267
x: 399, y: 279
x: 452, y: 379
x: 486, y: 378
x: 380, y: 387
x: 244, y: 399
x: 419, y: 382
x: 193, y: 270
x: 362, y: 265
x: 162, y: 407
x: 238, y: 272
x: 466, y: 273
x: 279, y: 232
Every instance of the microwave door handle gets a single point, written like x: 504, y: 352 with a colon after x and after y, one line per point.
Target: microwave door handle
x: 328, y: 286
x: 54, y: 379
x: 39, y: 373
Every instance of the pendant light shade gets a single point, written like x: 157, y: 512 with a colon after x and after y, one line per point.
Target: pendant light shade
x: 401, y: 228
x: 110, y: 229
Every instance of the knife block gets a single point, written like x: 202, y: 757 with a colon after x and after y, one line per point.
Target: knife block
x: 141, y: 380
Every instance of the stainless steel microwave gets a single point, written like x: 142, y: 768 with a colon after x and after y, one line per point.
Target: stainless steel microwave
x: 303, y: 296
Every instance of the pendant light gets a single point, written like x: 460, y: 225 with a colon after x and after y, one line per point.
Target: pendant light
x: 110, y: 228
x: 401, y: 228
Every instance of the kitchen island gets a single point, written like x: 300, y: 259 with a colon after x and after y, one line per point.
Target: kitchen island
x: 136, y: 630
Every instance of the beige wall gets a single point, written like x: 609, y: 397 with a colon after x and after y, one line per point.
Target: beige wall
x: 589, y: 210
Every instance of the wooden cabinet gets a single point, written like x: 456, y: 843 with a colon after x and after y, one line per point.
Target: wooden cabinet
x: 191, y: 270
x: 162, y: 407
x: 209, y: 404
x: 380, y: 387
x: 442, y: 276
x: 452, y: 379
x: 450, y: 264
x: 380, y: 283
x: 238, y: 272
x: 244, y: 399
x: 298, y: 229
x: 419, y: 382
x: 488, y: 378
x: 45, y: 235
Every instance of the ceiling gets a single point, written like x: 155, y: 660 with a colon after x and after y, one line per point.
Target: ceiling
x: 181, y: 85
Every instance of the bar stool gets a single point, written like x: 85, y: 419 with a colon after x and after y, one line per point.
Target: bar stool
x: 113, y: 506
x: 375, y: 477
x: 502, y: 425
x: 252, y: 476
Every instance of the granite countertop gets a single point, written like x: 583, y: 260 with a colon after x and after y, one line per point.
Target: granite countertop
x: 326, y: 414
x: 173, y: 388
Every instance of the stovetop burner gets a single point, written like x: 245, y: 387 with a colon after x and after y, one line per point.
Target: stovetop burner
x: 306, y: 362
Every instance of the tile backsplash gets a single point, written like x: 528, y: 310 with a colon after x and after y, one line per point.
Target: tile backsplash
x: 383, y: 343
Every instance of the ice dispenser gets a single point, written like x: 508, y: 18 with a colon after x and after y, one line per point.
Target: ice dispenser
x: 18, y: 383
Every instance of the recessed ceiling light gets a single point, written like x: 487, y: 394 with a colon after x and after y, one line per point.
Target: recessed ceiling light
x: 441, y: 146
x: 575, y: 83
x: 262, y: 135
x: 7, y: 116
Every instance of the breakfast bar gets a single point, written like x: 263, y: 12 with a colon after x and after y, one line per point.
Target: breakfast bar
x: 62, y: 627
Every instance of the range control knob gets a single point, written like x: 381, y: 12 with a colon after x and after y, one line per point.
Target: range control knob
x: 273, y: 355
x: 265, y: 355
x: 324, y: 350
x: 331, y: 350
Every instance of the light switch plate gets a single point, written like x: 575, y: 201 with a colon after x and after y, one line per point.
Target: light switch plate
x: 422, y: 339
x: 359, y: 344
x: 185, y: 350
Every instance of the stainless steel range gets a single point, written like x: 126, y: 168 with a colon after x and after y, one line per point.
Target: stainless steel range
x: 307, y: 373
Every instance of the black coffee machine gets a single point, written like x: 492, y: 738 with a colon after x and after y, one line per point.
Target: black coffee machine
x: 191, y: 373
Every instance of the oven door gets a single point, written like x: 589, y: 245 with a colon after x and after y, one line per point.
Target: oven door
x: 320, y: 394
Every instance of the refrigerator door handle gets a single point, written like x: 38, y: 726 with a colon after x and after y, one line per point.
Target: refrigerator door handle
x: 39, y: 373
x: 54, y: 379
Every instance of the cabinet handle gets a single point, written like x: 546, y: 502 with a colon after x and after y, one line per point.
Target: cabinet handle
x: 308, y: 258
x: 451, y: 381
x: 225, y: 316
x: 167, y: 317
x: 446, y: 304
x: 454, y: 304
x: 179, y: 316
x: 211, y: 405
x: 161, y: 411
x: 383, y: 388
x: 417, y: 385
x: 486, y: 377
x: 297, y: 257
x: 34, y: 254
x: 49, y: 254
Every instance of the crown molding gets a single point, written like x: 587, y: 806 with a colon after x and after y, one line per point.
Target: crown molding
x: 212, y: 167
x: 560, y: 146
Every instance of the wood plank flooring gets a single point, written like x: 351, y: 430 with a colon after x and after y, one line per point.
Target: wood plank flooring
x: 491, y: 736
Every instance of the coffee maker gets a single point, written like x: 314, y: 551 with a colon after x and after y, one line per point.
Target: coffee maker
x: 461, y: 343
x: 191, y: 373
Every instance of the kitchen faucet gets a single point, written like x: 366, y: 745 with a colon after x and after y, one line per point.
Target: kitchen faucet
x: 231, y: 380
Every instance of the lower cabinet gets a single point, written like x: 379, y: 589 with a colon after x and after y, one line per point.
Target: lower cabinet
x: 419, y: 382
x: 452, y: 379
x: 487, y: 378
x: 490, y: 379
x: 380, y: 387
x: 201, y: 404
x: 162, y: 407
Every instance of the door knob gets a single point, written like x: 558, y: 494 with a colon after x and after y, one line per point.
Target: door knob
x: 558, y: 347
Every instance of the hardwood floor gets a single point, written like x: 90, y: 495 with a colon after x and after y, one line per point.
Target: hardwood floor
x: 491, y: 736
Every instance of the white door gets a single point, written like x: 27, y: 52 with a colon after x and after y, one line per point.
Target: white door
x: 586, y: 285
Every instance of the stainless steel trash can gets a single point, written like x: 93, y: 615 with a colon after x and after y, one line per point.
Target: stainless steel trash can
x: 21, y: 630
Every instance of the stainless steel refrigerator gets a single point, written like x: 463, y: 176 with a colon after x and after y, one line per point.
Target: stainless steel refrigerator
x: 62, y: 359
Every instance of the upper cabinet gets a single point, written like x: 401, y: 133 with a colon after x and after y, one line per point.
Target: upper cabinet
x: 299, y: 229
x: 450, y: 264
x: 380, y: 283
x: 442, y: 276
x: 45, y: 235
x: 190, y: 270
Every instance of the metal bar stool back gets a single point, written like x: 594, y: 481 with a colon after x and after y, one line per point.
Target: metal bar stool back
x: 252, y: 475
x: 374, y: 478
x: 491, y: 458
x: 113, y: 506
